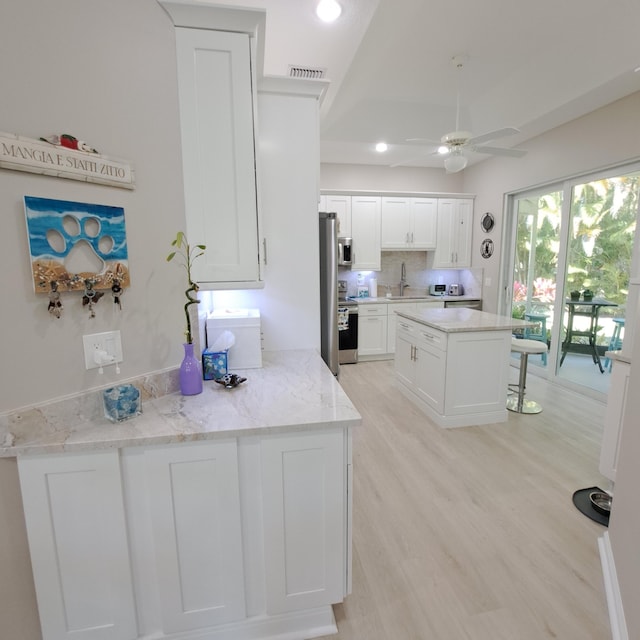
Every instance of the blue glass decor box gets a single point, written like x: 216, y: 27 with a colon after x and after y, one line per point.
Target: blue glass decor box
x: 121, y: 402
x: 71, y: 242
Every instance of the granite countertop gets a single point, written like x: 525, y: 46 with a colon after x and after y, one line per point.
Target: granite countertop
x: 294, y: 390
x: 412, y: 298
x: 460, y: 319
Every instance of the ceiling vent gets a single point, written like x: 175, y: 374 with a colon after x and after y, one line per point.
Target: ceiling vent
x: 308, y: 73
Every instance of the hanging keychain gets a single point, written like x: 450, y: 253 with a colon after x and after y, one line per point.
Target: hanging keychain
x: 116, y: 292
x: 55, y: 305
x: 90, y: 297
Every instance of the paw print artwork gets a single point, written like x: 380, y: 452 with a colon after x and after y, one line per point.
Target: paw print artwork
x: 71, y: 243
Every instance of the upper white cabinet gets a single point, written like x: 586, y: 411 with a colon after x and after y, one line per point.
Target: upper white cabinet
x: 341, y: 205
x: 409, y: 223
x: 218, y: 151
x: 365, y: 231
x: 454, y: 231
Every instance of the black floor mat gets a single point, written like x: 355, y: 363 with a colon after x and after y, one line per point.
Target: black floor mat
x: 583, y: 504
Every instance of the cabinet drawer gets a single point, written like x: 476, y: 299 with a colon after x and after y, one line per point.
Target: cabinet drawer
x: 431, y: 337
x: 372, y: 309
x: 407, y: 328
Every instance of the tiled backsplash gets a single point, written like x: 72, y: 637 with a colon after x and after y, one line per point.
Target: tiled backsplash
x: 418, y: 276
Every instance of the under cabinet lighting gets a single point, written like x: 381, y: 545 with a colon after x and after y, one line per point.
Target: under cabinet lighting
x: 328, y: 10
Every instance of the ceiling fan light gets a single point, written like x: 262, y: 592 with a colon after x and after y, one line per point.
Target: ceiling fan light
x: 455, y: 162
x: 328, y: 10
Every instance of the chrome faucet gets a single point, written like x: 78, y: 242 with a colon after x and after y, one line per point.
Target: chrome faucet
x: 403, y: 279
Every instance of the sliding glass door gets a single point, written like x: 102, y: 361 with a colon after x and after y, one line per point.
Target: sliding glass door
x: 573, y: 240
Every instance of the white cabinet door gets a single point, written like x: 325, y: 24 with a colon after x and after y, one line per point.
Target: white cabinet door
x: 342, y: 206
x: 614, y: 419
x: 194, y: 501
x: 304, y: 479
x: 392, y: 319
x: 218, y: 152
x: 79, y: 548
x: 396, y: 223
x: 454, y: 232
x: 424, y: 213
x: 365, y: 231
x: 431, y: 366
x: 372, y: 335
x: 405, y: 368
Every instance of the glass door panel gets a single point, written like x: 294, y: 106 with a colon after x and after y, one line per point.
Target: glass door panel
x: 535, y: 264
x: 602, y: 226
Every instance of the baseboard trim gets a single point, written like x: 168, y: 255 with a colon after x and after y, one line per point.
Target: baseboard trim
x: 612, y: 589
x: 300, y: 625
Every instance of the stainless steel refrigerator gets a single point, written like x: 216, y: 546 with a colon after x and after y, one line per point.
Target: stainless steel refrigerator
x: 329, y: 339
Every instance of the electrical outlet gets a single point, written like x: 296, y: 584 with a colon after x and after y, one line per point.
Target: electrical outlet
x: 108, y: 341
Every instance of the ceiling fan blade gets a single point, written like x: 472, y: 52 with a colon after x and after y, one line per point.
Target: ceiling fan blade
x: 494, y: 135
x: 423, y: 140
x: 497, y: 151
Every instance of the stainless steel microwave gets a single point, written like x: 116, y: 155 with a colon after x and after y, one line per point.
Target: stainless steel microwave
x: 345, y: 251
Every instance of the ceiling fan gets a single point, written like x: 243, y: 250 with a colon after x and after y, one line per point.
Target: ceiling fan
x: 453, y: 145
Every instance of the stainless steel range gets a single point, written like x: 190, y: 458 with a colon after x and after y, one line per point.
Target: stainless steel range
x: 348, y: 326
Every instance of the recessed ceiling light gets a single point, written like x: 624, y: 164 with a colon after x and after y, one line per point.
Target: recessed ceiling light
x: 381, y: 147
x: 328, y: 10
x: 443, y: 149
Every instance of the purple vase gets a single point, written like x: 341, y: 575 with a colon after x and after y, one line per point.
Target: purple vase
x: 190, y: 372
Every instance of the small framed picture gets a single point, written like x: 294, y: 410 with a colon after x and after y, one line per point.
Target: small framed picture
x: 487, y: 222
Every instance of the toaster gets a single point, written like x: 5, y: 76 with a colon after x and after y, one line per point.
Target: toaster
x: 456, y: 290
x: 437, y: 289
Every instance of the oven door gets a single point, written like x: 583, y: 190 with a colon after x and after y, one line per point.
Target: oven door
x: 348, y: 337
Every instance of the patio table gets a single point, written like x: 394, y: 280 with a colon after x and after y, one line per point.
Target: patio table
x: 585, y: 309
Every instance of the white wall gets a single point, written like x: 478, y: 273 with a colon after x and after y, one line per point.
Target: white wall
x: 106, y: 73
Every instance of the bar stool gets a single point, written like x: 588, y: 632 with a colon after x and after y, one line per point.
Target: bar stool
x: 615, y: 344
x: 538, y: 333
x: 525, y: 348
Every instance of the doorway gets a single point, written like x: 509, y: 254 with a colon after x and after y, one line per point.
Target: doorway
x: 575, y: 240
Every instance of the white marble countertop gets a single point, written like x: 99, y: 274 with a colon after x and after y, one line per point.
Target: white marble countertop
x: 412, y: 298
x: 294, y: 390
x: 458, y: 319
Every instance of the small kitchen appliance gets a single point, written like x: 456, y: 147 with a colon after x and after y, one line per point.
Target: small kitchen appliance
x: 456, y: 289
x: 437, y: 289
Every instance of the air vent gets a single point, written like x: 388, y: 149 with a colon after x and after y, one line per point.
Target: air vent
x: 308, y: 73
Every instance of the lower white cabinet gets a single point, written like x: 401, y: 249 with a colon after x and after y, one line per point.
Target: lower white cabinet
x: 246, y: 537
x: 457, y: 378
x: 372, y: 329
x: 614, y: 419
x: 79, y: 546
x: 194, y: 504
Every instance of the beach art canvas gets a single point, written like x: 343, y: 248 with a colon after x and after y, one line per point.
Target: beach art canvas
x: 72, y: 243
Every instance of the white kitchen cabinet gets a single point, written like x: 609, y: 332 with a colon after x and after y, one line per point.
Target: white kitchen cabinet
x: 392, y: 318
x: 614, y: 419
x: 303, y: 488
x: 372, y: 329
x: 365, y: 231
x: 341, y: 205
x: 454, y: 233
x: 421, y: 362
x: 194, y: 500
x: 408, y: 223
x: 218, y: 151
x: 79, y: 547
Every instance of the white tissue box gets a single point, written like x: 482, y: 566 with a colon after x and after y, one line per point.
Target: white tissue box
x: 246, y: 353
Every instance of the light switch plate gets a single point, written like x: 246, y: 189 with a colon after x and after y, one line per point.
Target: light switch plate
x: 108, y: 341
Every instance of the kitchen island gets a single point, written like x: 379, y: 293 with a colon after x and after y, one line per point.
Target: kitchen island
x: 226, y: 514
x: 454, y: 363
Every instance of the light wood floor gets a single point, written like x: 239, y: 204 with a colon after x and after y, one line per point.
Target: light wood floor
x: 471, y: 533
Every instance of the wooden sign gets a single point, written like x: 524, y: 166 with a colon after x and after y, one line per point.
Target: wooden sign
x: 37, y: 156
